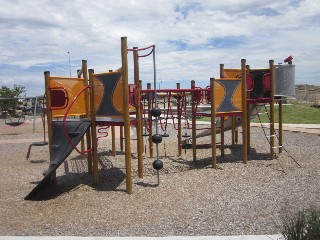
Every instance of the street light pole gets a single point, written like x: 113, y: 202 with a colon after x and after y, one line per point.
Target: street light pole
x: 69, y: 64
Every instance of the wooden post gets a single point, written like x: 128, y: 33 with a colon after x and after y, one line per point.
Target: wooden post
x: 193, y: 118
x: 150, y: 122
x: 248, y: 128
x: 222, y: 70
x: 113, y: 140
x: 138, y: 112
x: 49, y: 117
x: 222, y: 135
x: 233, y: 130
x: 272, y: 131
x: 87, y: 97
x: 95, y: 159
x: 79, y: 74
x: 179, y: 121
x: 236, y: 135
x: 124, y: 60
x: 280, y: 125
x: 213, y: 126
x: 248, y: 113
x: 121, y: 138
x: 244, y: 112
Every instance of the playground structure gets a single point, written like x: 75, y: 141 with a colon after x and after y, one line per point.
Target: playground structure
x: 76, y: 107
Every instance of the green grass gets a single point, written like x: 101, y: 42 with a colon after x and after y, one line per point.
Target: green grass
x: 294, y: 114
x: 290, y: 114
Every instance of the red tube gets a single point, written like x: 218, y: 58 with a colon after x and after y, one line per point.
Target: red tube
x: 64, y: 123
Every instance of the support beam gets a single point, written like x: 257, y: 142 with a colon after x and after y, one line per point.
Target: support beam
x: 124, y: 60
x: 213, y: 126
x: 244, y: 112
x: 193, y: 118
x: 95, y: 159
x: 272, y: 131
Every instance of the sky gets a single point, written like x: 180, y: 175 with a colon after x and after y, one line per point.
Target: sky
x: 192, y: 37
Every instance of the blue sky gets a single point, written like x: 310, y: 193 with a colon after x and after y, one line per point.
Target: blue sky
x: 192, y: 37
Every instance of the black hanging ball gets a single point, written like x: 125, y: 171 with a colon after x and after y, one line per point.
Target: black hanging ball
x: 155, y: 112
x: 156, y: 138
x: 186, y: 135
x: 157, y: 164
x: 165, y: 135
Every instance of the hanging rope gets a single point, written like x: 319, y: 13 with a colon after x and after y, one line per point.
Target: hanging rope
x: 265, y: 134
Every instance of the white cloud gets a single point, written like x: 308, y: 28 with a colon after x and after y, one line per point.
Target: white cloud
x: 192, y: 37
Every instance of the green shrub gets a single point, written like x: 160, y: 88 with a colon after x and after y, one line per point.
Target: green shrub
x: 304, y: 225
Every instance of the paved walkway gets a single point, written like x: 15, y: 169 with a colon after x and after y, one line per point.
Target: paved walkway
x: 242, y: 237
x: 305, y: 128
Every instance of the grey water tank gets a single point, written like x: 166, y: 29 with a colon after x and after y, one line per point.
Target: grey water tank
x: 284, y: 80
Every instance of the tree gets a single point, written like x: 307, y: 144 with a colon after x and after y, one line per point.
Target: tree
x: 13, y: 94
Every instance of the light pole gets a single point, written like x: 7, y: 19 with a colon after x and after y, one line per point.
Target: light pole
x: 69, y: 64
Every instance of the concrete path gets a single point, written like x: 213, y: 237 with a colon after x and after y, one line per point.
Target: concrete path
x: 240, y: 237
x: 304, y: 128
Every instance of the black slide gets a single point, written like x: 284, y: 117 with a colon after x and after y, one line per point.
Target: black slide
x: 61, y: 149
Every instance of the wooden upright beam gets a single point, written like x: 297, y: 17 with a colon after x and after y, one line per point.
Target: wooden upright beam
x: 49, y: 116
x: 179, y: 121
x: 280, y: 126
x: 84, y: 71
x: 213, y: 126
x: 244, y: 112
x: 248, y: 114
x: 193, y: 117
x: 95, y: 160
x: 272, y: 131
x: 124, y: 60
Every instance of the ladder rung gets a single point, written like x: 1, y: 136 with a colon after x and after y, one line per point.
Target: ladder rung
x: 277, y: 147
x: 271, y: 136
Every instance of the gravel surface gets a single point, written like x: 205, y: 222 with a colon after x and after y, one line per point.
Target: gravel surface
x: 192, y: 199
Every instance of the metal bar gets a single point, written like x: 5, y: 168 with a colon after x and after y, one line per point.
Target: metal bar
x: 138, y: 112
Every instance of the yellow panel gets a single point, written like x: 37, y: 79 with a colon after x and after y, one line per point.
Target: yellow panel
x: 112, y: 105
x: 72, y: 86
x: 98, y: 93
x: 231, y: 73
x: 220, y: 94
x: 117, y: 97
x: 117, y: 94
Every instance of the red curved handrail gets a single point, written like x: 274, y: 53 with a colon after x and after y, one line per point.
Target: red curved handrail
x: 64, y: 123
x: 142, y: 49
